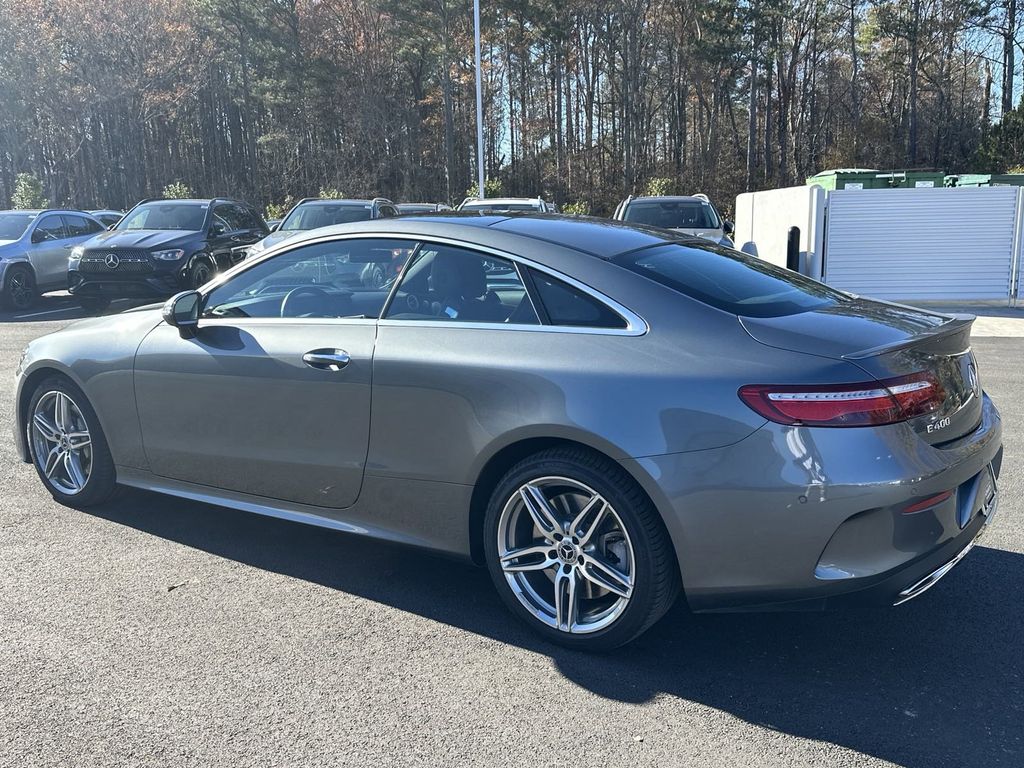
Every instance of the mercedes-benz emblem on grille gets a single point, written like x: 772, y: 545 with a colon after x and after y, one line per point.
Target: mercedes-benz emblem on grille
x: 112, y: 261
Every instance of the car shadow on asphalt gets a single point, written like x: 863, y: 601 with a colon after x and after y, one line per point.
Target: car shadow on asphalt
x: 937, y: 682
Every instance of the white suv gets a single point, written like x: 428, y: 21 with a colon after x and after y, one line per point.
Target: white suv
x: 507, y: 205
x: 693, y: 215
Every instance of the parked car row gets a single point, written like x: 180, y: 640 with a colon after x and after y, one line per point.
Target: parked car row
x: 162, y: 246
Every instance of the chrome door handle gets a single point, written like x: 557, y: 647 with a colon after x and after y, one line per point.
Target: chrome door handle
x: 326, y: 359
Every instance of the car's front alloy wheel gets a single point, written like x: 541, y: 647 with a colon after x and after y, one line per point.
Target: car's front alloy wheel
x: 68, y: 448
x: 577, y: 550
x: 61, y: 440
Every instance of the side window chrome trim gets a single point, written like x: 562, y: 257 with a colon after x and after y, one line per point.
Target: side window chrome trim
x: 458, y: 324
x: 635, y: 324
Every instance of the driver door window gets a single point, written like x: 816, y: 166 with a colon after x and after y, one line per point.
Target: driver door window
x: 227, y: 218
x: 446, y: 283
x: 49, y: 229
x: 340, y: 278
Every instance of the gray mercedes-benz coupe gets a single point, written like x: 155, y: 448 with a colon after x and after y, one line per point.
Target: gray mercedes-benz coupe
x: 604, y: 415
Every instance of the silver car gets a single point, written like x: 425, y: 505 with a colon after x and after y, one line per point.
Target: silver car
x: 34, y: 250
x: 603, y: 416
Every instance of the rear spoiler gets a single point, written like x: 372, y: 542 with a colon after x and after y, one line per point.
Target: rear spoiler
x: 954, y: 325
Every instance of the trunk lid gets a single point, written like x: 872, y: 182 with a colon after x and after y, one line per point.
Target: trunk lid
x: 886, y: 341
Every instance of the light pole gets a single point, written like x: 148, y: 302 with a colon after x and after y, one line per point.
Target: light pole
x: 479, y: 102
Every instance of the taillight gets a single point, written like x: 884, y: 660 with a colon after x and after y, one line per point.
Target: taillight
x: 847, y: 405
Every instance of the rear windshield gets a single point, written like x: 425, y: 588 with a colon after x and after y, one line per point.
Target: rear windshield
x: 730, y: 280
x: 674, y: 214
x: 314, y: 215
x: 13, y: 225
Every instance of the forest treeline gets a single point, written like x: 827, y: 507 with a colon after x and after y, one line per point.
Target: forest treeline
x: 585, y: 101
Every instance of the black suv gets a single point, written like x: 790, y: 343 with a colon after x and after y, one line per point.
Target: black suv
x: 161, y: 247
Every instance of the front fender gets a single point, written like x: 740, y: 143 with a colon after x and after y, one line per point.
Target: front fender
x: 98, y: 356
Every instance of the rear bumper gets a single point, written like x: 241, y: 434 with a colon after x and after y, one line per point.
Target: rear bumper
x: 796, y: 518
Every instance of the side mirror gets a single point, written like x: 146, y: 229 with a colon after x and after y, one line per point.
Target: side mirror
x: 110, y: 227
x: 274, y: 227
x: 38, y: 236
x: 217, y: 230
x: 182, y: 312
x: 728, y: 227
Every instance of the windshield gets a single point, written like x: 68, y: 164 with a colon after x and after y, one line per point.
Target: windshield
x: 730, y: 280
x: 485, y: 205
x: 185, y: 216
x: 13, y: 225
x: 674, y: 214
x: 313, y: 215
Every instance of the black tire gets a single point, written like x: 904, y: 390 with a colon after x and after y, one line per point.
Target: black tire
x: 101, y: 483
x: 93, y: 304
x: 18, y: 292
x: 200, y: 273
x: 655, y: 572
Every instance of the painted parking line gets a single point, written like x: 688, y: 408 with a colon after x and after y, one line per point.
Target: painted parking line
x: 46, y: 312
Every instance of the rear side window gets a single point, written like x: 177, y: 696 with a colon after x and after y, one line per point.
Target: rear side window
x: 730, y: 280
x: 566, y: 305
x: 78, y: 226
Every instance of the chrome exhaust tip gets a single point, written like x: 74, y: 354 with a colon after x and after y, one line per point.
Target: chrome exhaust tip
x: 929, y: 581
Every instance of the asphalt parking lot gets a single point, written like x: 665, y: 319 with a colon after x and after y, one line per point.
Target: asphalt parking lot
x: 156, y: 631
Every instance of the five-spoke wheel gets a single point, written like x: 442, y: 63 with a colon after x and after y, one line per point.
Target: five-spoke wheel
x: 577, y: 550
x: 566, y: 554
x: 68, y: 448
x: 61, y: 440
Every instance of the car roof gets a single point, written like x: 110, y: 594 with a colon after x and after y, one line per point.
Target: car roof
x: 668, y: 199
x: 501, y: 200
x: 592, y: 236
x: 38, y: 211
x: 334, y: 201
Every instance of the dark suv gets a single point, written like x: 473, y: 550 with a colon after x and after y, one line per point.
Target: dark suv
x: 161, y: 247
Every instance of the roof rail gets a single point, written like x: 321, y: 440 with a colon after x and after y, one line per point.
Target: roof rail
x: 381, y: 200
x: 702, y: 196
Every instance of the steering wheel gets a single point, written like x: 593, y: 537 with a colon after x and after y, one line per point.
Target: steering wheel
x: 302, y: 290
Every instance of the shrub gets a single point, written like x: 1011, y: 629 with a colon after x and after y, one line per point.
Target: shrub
x: 659, y: 186
x: 579, y: 208
x: 492, y: 188
x: 177, y: 191
x: 278, y: 210
x: 28, y: 192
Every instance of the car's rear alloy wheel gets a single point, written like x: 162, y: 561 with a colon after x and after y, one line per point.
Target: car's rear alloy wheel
x: 68, y: 449
x: 578, y: 551
x: 566, y: 554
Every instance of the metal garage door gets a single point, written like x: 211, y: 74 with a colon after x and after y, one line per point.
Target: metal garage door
x: 923, y: 244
